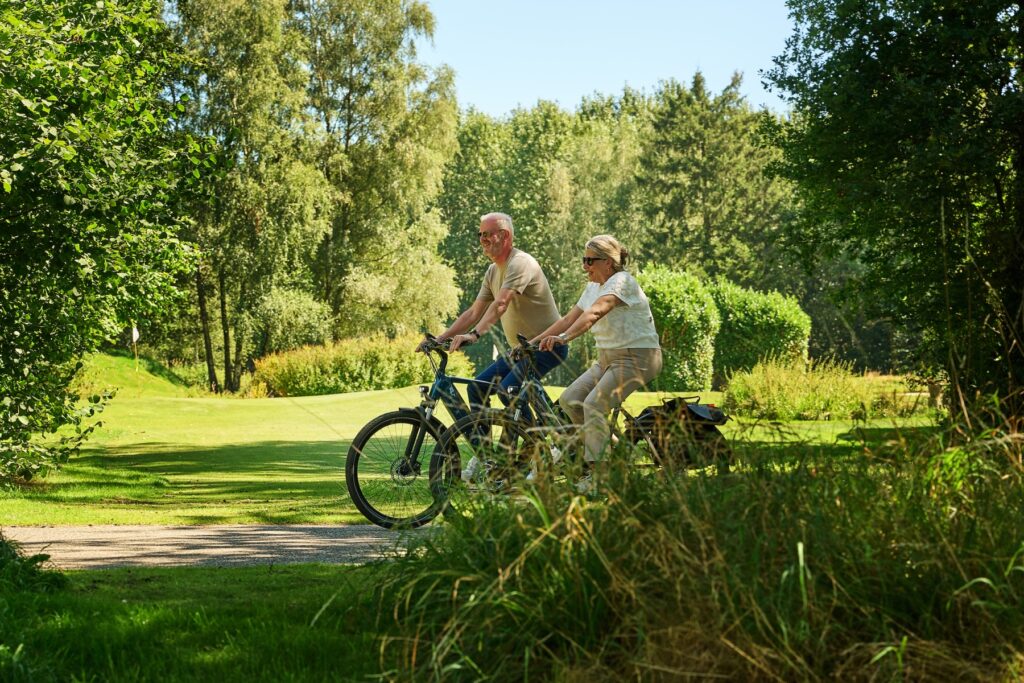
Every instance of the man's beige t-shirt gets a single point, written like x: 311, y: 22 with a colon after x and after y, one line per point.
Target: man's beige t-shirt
x: 534, y: 310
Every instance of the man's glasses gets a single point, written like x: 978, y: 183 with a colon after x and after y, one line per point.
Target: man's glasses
x: 589, y: 260
x: 488, y: 235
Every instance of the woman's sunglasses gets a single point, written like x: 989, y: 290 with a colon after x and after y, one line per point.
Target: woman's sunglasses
x: 589, y: 260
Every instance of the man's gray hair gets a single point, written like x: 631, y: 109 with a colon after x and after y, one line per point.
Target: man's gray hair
x: 503, y: 220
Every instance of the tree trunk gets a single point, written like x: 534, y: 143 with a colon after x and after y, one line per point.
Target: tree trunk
x: 204, y: 321
x: 228, y: 380
x: 236, y: 376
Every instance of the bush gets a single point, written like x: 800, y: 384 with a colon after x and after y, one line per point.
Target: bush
x: 687, y: 320
x: 756, y: 325
x: 286, y: 319
x: 20, y: 573
x: 365, y: 364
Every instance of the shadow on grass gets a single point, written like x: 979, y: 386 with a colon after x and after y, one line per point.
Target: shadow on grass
x: 273, y: 482
x: 784, y: 448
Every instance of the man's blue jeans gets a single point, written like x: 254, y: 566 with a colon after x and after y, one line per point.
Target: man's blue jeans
x: 543, y: 361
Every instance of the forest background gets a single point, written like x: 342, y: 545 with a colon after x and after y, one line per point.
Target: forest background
x: 238, y: 177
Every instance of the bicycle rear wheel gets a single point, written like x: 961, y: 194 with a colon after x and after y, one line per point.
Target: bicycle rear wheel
x: 504, y: 447
x: 383, y: 469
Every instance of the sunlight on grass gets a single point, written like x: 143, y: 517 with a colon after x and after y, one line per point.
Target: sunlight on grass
x: 164, y: 458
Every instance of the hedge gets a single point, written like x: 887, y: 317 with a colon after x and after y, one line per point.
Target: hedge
x: 687, y: 321
x: 756, y: 325
x: 364, y: 364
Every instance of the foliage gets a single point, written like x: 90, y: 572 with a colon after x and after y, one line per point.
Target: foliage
x: 20, y: 573
x: 90, y: 174
x: 805, y: 568
x: 907, y: 144
x: 703, y: 188
x: 687, y: 321
x: 361, y: 364
x: 259, y: 218
x: 792, y: 389
x: 385, y: 126
x: 756, y: 325
x: 286, y: 319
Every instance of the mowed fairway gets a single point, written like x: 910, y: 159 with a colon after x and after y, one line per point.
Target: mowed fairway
x: 164, y: 458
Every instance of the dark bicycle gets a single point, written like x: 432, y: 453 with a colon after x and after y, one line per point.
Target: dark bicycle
x: 385, y: 463
x: 532, y: 430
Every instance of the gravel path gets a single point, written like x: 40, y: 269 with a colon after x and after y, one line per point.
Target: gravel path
x: 236, y: 545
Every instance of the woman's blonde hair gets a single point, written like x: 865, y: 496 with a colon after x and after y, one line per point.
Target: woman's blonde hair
x: 610, y: 248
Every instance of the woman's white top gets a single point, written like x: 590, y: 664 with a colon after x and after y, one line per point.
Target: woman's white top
x: 629, y: 325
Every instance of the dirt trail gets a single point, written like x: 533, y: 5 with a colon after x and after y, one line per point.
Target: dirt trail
x: 101, y: 547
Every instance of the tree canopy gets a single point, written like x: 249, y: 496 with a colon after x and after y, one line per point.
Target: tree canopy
x: 907, y: 145
x: 89, y: 170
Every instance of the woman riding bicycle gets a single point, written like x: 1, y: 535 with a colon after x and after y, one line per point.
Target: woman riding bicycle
x: 615, y: 309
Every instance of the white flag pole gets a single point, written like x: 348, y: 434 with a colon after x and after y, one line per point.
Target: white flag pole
x: 135, y: 346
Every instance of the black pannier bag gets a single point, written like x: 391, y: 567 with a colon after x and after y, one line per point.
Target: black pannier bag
x: 683, y: 432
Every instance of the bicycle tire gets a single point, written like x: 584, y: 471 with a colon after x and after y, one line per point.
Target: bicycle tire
x: 490, y: 435
x: 386, y: 486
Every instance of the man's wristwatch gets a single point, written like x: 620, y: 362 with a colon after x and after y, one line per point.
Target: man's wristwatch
x: 565, y: 339
x: 476, y: 335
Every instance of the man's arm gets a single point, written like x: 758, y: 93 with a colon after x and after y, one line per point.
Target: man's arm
x: 464, y: 323
x: 489, y: 316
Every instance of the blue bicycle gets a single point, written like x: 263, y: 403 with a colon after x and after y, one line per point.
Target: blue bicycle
x: 384, y: 469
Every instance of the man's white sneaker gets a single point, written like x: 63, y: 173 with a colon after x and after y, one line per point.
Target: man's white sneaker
x: 472, y: 469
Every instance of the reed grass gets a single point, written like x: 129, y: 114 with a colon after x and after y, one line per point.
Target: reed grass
x: 786, y: 389
x: 904, y: 562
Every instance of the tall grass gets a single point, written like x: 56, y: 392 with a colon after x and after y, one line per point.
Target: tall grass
x: 784, y: 389
x: 799, y: 566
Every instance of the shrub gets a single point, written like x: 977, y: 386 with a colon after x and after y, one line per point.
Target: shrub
x: 20, y: 573
x: 687, y: 320
x: 756, y: 325
x: 286, y: 319
x: 364, y: 364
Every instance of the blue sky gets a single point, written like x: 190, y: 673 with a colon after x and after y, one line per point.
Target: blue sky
x: 509, y: 53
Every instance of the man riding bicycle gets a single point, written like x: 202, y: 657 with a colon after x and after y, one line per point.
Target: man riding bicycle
x: 516, y: 292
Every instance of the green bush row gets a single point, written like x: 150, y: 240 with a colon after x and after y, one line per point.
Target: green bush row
x: 709, y: 332
x: 364, y: 364
x: 688, y: 322
x: 756, y: 325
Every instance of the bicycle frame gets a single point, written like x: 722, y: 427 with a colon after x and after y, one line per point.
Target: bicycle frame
x: 443, y: 387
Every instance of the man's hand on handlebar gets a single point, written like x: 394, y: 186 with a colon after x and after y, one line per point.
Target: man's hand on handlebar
x: 461, y: 340
x: 524, y: 349
x: 550, y: 342
x: 430, y: 342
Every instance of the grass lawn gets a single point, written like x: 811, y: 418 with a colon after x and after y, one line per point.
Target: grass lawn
x: 164, y: 456
x: 287, y: 623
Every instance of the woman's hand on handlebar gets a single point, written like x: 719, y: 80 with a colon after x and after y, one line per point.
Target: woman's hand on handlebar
x: 549, y: 342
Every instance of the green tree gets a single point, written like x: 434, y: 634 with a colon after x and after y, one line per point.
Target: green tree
x: 260, y: 219
x: 712, y: 207
x: 89, y: 173
x: 387, y: 127
x: 907, y: 142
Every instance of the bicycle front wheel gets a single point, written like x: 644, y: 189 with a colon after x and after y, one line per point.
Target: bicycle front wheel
x: 383, y: 469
